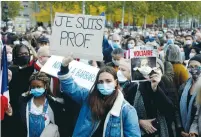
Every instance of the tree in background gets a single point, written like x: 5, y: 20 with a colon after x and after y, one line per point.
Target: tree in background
x: 136, y: 12
x: 14, y: 8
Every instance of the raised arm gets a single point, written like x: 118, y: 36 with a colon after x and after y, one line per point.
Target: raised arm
x: 68, y: 85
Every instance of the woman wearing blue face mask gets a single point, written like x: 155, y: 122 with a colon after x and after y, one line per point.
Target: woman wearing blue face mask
x: 130, y: 44
x: 117, y: 55
x: 37, y: 108
x: 104, y: 111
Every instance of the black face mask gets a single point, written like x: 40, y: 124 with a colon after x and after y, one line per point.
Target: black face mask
x: 23, y: 60
x: 195, y: 73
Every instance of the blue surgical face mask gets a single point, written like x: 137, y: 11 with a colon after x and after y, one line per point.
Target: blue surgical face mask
x: 160, y: 35
x: 106, y: 89
x: 130, y: 46
x: 170, y: 41
x: 37, y: 92
x: 151, y: 38
x: 116, y: 45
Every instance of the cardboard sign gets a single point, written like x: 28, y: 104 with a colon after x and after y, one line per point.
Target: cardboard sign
x: 143, y: 62
x: 144, y: 51
x: 84, y: 75
x: 80, y: 34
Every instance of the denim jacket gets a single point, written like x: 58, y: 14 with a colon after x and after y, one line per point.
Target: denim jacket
x: 121, y: 112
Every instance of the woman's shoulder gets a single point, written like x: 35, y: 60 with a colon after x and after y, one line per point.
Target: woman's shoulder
x: 127, y: 107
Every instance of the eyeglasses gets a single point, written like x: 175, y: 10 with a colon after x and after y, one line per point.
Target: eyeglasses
x: 23, y: 54
x: 193, y: 68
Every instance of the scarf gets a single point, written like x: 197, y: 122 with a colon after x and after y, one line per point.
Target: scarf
x: 186, y: 112
x: 141, y: 112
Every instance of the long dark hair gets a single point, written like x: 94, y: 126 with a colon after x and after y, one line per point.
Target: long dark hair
x: 99, y: 104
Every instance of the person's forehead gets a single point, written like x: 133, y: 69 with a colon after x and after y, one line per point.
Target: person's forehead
x: 105, y: 75
x: 9, y: 49
x: 192, y: 50
x: 131, y: 41
x: 23, y: 49
x: 117, y: 56
x: 194, y: 63
x: 170, y: 36
x: 116, y: 37
x: 37, y: 82
x: 188, y: 37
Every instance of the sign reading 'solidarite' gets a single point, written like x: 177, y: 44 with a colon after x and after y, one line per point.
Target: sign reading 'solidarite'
x: 80, y: 34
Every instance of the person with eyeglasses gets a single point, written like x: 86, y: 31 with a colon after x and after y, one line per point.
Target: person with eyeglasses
x: 21, y: 71
x: 188, y: 95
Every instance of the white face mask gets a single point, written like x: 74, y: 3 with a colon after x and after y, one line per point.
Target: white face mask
x: 121, y: 77
x: 188, y: 42
x: 9, y: 57
x: 145, y: 71
x: 130, y: 46
x: 16, y: 42
x: 191, y: 55
x: 116, y: 63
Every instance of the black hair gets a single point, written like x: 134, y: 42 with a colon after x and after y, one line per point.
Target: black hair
x: 161, y: 31
x: 16, y: 50
x: 129, y: 39
x: 188, y: 36
x: 41, y: 76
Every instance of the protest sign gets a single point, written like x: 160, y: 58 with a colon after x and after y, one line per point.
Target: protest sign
x: 143, y: 62
x: 80, y: 34
x: 84, y: 75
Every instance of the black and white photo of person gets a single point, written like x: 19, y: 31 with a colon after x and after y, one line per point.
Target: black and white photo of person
x: 142, y: 67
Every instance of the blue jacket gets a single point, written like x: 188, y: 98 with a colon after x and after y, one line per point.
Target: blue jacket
x: 121, y: 112
x: 107, y: 51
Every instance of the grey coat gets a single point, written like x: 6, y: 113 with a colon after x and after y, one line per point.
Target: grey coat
x: 196, y: 125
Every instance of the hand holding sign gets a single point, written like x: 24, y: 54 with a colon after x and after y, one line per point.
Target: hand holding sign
x: 84, y: 75
x: 67, y: 60
x: 81, y: 34
x: 143, y: 60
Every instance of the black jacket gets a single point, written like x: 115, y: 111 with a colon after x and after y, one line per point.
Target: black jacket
x: 162, y: 100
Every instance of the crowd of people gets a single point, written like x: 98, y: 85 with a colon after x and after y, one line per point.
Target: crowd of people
x: 168, y: 105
